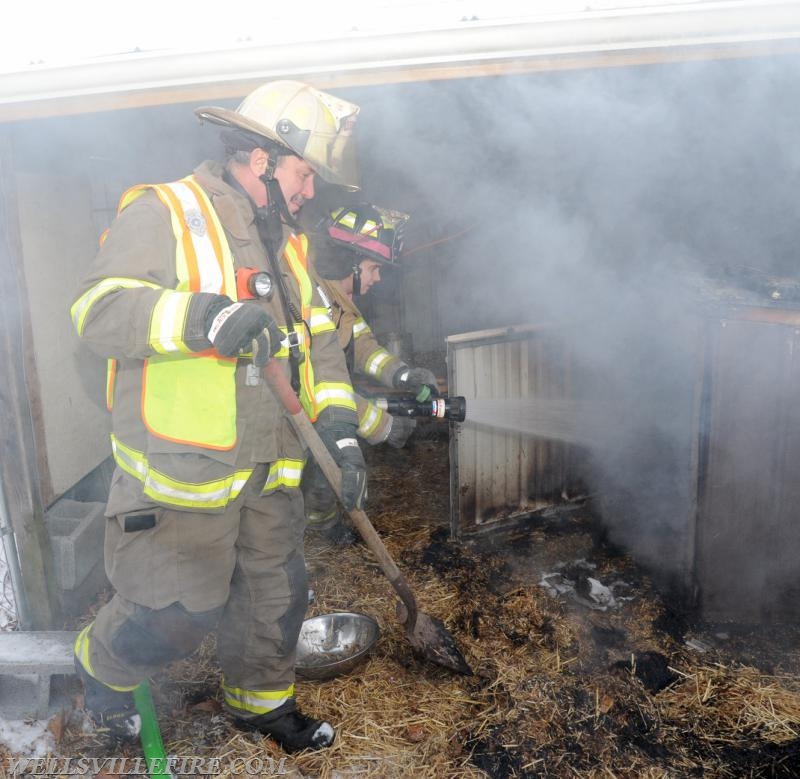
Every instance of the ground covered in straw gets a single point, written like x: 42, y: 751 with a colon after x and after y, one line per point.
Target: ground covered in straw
x: 561, y: 687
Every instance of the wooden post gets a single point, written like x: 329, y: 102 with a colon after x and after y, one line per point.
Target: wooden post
x: 20, y: 468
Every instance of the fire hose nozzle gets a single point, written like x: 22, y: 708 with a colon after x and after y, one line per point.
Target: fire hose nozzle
x: 453, y: 408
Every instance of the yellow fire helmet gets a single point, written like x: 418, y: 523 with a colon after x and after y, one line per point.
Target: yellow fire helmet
x: 314, y: 125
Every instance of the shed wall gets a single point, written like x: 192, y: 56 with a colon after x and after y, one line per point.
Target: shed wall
x: 57, y: 236
x: 749, y: 524
x: 499, y: 475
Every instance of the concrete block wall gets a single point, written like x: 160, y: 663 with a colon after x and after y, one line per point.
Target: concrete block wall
x: 76, y: 535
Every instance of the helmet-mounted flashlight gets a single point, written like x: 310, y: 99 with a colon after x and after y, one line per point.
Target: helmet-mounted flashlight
x: 252, y: 283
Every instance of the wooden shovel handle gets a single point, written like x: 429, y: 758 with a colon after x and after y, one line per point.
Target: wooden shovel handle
x: 283, y: 391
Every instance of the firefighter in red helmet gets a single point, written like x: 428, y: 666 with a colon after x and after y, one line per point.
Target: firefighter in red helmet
x: 352, y: 246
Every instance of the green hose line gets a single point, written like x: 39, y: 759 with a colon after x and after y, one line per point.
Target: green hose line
x: 152, y: 745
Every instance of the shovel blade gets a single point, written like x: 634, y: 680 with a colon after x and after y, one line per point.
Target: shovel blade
x: 431, y: 639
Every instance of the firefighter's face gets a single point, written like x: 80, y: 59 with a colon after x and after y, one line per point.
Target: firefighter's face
x: 296, y: 179
x: 370, y: 274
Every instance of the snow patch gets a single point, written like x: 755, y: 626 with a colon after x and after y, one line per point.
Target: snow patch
x: 26, y: 738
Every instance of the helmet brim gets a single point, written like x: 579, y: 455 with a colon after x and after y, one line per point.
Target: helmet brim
x: 366, y: 248
x: 227, y: 118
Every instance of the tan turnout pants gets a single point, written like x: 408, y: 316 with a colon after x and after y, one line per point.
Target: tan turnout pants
x: 241, y: 571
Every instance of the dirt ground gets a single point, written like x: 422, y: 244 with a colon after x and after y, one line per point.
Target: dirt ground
x: 561, y: 687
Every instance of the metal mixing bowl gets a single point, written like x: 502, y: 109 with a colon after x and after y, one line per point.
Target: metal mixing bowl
x: 333, y: 644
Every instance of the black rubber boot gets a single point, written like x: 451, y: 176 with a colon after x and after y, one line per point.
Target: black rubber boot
x: 292, y: 730
x: 111, y: 710
x: 323, y: 516
x: 331, y: 527
x: 339, y: 532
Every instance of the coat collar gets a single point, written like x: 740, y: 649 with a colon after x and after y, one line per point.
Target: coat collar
x: 233, y: 209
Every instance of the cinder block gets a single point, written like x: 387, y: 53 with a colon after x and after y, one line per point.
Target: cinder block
x: 28, y: 661
x: 76, y: 536
x: 36, y: 651
x: 25, y: 696
x: 75, y: 603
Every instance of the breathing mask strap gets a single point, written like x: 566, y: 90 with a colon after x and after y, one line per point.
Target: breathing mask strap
x: 270, y: 231
x: 357, y: 280
x: 290, y: 314
x: 269, y: 222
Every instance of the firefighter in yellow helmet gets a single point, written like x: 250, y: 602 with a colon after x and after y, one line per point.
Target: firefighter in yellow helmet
x: 205, y: 513
x: 351, y: 247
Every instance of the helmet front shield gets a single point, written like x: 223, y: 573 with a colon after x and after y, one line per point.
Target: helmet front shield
x: 330, y: 147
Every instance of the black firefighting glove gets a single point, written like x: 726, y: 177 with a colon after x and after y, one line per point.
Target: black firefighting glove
x: 420, y: 381
x: 399, y: 432
x: 340, y: 440
x: 234, y: 328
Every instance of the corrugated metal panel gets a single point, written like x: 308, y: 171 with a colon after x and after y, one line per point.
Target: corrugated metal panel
x: 748, y: 529
x: 498, y: 477
x: 730, y: 525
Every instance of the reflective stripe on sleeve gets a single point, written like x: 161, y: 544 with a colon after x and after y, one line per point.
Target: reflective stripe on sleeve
x: 80, y: 308
x: 321, y: 321
x: 360, y: 327
x: 370, y: 420
x: 168, y: 323
x: 376, y: 362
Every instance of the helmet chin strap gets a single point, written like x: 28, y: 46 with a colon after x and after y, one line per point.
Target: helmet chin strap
x: 276, y: 210
x: 269, y: 218
x: 357, y: 280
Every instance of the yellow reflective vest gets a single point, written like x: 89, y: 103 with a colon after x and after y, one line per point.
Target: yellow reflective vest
x: 171, y: 408
x: 143, y: 331
x: 203, y: 263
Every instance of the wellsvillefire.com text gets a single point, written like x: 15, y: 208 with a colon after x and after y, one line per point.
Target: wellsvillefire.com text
x: 24, y: 767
